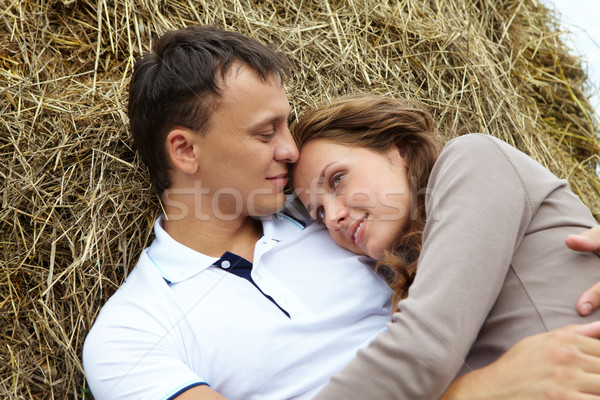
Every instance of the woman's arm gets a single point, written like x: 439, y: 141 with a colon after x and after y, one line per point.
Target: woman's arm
x: 562, y: 364
x: 478, y: 211
x: 467, y: 251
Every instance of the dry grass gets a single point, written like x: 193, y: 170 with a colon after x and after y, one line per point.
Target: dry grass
x: 76, y: 207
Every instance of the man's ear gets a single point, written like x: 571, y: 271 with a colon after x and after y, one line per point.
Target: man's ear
x: 181, y: 150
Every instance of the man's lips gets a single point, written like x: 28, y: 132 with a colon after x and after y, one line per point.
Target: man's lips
x: 279, y: 179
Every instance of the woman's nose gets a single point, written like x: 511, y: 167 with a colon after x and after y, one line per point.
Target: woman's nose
x: 335, y: 215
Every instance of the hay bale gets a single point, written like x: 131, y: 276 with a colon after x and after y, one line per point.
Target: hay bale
x: 76, y: 206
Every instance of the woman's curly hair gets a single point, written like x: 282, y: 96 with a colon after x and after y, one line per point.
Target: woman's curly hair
x: 378, y: 123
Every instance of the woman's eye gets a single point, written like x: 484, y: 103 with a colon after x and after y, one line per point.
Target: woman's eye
x: 336, y: 179
x: 320, y: 214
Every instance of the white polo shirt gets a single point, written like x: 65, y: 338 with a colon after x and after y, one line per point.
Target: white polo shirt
x: 277, y: 331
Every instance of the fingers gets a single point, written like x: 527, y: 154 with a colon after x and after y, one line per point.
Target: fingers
x: 582, y: 243
x: 584, y: 396
x: 589, y: 300
x: 587, y: 382
x: 561, y: 364
x: 586, y: 241
x: 574, y: 345
x: 566, y: 346
x: 573, y: 352
x: 593, y: 233
x: 591, y: 330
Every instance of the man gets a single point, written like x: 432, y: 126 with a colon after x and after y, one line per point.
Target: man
x: 235, y: 298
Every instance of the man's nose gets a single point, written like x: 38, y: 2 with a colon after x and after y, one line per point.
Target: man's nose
x: 287, y: 150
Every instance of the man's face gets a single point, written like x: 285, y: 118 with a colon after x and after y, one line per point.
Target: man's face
x: 244, y: 156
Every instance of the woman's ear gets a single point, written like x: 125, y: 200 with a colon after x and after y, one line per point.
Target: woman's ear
x: 181, y: 150
x: 401, y: 147
x: 397, y: 154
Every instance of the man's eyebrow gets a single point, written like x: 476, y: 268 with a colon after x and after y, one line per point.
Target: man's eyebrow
x: 261, y: 124
x: 310, y: 208
x: 270, y: 121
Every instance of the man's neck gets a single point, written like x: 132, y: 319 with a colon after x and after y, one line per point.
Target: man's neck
x: 214, y: 237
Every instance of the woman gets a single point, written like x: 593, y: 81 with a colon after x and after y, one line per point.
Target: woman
x: 483, y: 223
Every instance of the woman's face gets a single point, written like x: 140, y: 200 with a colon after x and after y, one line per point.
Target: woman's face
x: 362, y: 196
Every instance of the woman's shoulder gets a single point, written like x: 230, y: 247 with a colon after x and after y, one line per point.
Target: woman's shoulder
x: 479, y: 149
x: 484, y: 157
x: 476, y: 142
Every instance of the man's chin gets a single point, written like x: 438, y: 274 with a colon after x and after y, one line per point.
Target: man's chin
x: 268, y: 208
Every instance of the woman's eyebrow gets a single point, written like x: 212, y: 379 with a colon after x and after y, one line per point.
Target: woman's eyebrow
x: 322, y: 175
x: 310, y: 208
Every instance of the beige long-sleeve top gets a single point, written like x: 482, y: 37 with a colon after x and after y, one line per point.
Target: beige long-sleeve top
x: 494, y: 269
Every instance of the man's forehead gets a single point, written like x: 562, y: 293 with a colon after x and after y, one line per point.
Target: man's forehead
x: 239, y: 69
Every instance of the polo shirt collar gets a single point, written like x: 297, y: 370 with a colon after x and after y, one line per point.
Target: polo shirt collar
x: 177, y: 262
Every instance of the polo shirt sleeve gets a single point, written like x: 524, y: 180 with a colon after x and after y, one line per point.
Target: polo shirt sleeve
x: 478, y: 210
x: 132, y: 354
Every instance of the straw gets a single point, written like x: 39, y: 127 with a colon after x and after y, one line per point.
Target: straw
x: 76, y: 209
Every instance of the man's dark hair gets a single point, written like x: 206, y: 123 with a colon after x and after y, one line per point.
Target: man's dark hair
x: 176, y: 84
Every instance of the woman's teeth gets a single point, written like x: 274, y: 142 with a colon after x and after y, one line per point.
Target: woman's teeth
x: 358, y: 230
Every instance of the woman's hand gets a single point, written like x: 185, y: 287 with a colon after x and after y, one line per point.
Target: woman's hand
x: 561, y: 364
x: 587, y: 241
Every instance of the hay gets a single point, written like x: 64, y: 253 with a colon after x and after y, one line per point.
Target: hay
x: 76, y: 207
